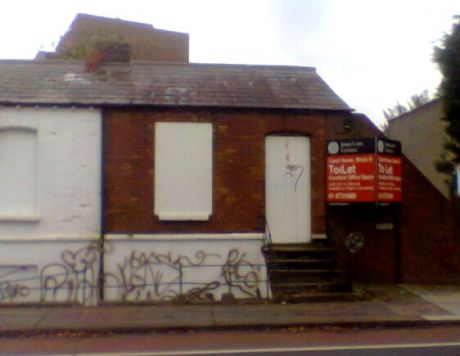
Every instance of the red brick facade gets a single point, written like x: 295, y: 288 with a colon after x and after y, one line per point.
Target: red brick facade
x: 239, y: 168
x: 430, y: 238
x: 421, y: 247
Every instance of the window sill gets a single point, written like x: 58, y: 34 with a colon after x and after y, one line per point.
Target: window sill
x: 183, y: 217
x: 19, y: 218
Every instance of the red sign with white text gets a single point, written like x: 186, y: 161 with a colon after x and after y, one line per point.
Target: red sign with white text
x: 351, y: 178
x: 389, y: 188
x: 361, y: 171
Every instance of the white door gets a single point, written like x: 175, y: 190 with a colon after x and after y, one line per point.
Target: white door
x: 287, y: 188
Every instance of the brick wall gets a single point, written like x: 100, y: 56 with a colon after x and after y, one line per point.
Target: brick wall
x: 424, y: 245
x: 145, y: 42
x: 430, y: 240
x: 377, y: 261
x: 239, y: 168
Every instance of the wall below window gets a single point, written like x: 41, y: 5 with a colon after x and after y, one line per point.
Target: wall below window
x: 43, y: 271
x: 184, y: 267
x: 137, y: 268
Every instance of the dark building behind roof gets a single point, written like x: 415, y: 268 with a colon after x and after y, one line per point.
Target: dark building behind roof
x: 148, y: 83
x: 89, y: 33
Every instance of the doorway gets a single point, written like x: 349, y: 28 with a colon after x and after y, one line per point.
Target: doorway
x: 287, y: 188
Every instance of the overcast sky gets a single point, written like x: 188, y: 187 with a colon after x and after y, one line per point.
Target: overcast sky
x: 372, y: 53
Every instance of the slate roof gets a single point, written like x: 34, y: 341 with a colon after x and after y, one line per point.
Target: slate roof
x: 148, y: 83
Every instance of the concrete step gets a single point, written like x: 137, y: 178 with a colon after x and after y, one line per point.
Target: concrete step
x: 297, y: 247
x: 305, y: 272
x: 296, y: 287
x: 317, y: 297
x: 301, y: 263
x: 297, y: 251
x: 306, y: 275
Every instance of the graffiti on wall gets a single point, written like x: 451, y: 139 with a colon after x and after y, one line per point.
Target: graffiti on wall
x: 239, y: 273
x: 73, y: 278
x: 166, y: 277
x: 139, y: 276
x: 148, y: 276
x: 14, y: 282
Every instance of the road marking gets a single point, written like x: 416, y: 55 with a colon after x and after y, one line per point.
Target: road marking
x: 273, y: 350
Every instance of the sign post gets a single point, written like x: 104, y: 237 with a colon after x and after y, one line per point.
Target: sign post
x: 363, y: 171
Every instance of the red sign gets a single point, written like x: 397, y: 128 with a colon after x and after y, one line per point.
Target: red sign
x: 389, y: 180
x: 363, y: 171
x: 351, y: 178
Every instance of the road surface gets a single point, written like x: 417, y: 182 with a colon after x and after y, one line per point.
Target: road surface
x: 291, y: 341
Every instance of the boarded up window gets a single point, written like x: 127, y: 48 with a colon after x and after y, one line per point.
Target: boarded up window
x: 18, y: 162
x: 183, y: 171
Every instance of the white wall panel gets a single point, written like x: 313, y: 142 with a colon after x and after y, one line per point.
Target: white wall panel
x: 38, y: 271
x: 149, y: 269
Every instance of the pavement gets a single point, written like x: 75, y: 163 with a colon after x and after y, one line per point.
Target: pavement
x: 380, y: 306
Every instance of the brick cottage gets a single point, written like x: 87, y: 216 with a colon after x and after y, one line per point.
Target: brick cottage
x: 206, y: 181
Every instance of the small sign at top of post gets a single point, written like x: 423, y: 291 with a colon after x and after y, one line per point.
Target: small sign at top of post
x: 363, y: 171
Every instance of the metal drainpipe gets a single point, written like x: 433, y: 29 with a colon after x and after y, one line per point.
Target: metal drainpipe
x: 102, y: 209
x: 396, y: 217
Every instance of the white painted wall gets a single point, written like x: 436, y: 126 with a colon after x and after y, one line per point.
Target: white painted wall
x: 68, y: 174
x: 50, y: 209
x: 140, y: 267
x: 43, y: 271
x: 137, y: 267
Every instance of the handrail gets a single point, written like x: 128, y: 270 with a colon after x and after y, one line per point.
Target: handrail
x: 267, y: 234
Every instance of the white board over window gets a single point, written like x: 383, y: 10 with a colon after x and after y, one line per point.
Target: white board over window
x: 183, y: 171
x: 18, y: 173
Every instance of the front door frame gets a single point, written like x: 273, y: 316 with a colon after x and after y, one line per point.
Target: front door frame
x: 288, y: 187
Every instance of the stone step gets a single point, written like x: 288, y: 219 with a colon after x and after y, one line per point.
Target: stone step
x: 317, y: 297
x: 297, y: 251
x: 296, y: 287
x: 306, y: 275
x: 305, y: 272
x: 301, y: 263
x: 297, y: 247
